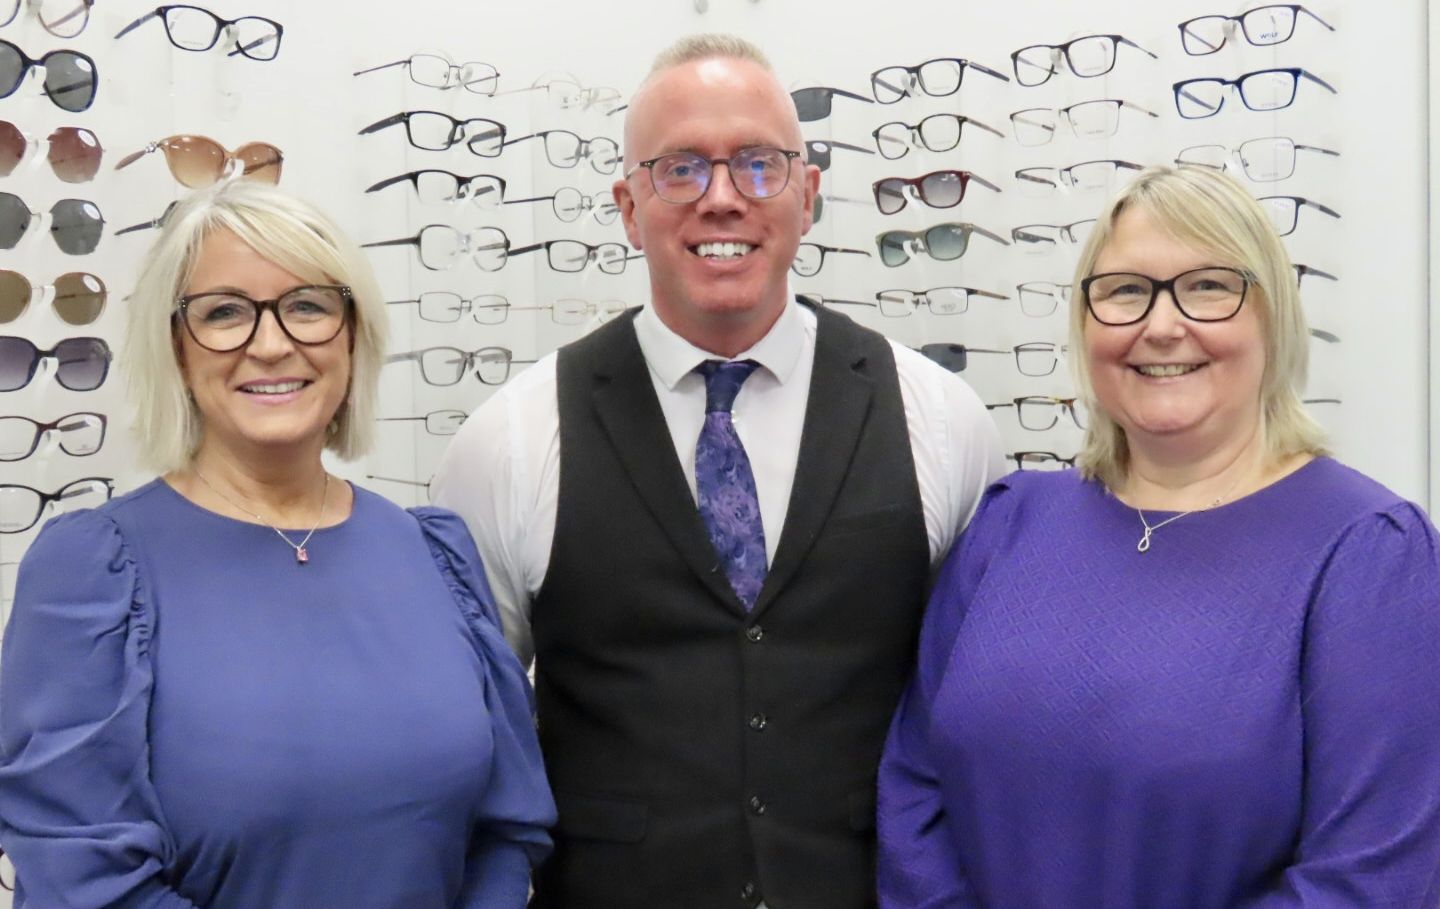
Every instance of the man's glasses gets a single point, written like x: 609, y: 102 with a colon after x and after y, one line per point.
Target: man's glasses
x: 441, y: 246
x: 810, y: 257
x: 1085, y: 176
x: 574, y: 256
x: 759, y: 172
x: 70, y: 76
x: 61, y: 18
x: 81, y: 363
x: 79, y: 296
x: 1041, y: 298
x: 1037, y: 239
x: 22, y: 506
x: 1040, y: 460
x: 194, y: 28
x: 1087, y: 120
x: 937, y: 133
x: 1264, y: 89
x: 943, y: 242
x: 817, y: 151
x: 813, y: 104
x: 79, y: 434
x: 1038, y: 413
x: 436, y: 422
x: 1088, y: 57
x: 1261, y: 26
x: 75, y: 224
x: 937, y: 189
x: 941, y: 301
x: 223, y: 321
x: 568, y: 204
x: 433, y: 131
x: 434, y: 71
x: 434, y: 186
x: 1284, y: 211
x: 443, y: 366
x: 198, y: 161
x: 1201, y: 295
x: 445, y: 306
x: 1263, y: 160
x: 74, y: 152
x: 938, y: 78
x: 565, y: 149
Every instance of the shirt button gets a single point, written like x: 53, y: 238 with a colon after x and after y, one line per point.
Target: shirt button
x: 757, y: 805
x: 754, y: 634
x: 759, y: 721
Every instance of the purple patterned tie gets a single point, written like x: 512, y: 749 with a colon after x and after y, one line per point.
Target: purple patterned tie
x: 724, y: 484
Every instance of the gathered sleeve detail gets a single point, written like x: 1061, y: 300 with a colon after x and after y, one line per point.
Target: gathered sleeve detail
x: 79, y: 816
x: 517, y: 808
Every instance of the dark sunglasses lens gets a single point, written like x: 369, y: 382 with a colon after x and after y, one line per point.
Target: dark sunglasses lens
x: 890, y: 196
x: 260, y: 161
x: 12, y: 68
x: 12, y: 147
x: 947, y: 241
x: 950, y: 356
x: 14, y: 295
x: 14, y: 220
x: 943, y: 189
x: 76, y: 226
x: 818, y: 154
x: 17, y: 363
x: 819, y: 210
x: 79, y: 297
x: 811, y: 104
x: 84, y: 363
x: 74, y: 154
x: 70, y: 80
x: 892, y: 248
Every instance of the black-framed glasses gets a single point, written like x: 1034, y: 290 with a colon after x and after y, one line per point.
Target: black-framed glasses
x: 937, y: 189
x: 71, y: 78
x: 80, y: 435
x: 938, y: 78
x: 1304, y: 271
x: 1261, y: 26
x: 81, y: 364
x: 810, y: 257
x: 817, y: 151
x: 1284, y: 211
x: 1263, y: 160
x: 446, y: 306
x: 433, y: 131
x: 574, y: 256
x: 22, y: 506
x: 1211, y: 294
x: 441, y: 246
x: 1085, y: 176
x: 76, y: 225
x: 943, y: 242
x: 61, y: 18
x: 952, y: 356
x: 434, y: 186
x: 434, y: 71
x: 1040, y: 298
x: 1040, y: 460
x: 442, y: 366
x: 1038, y: 413
x: 814, y: 103
x: 194, y: 28
x: 1036, y: 239
x: 936, y: 133
x: 565, y: 149
x: 436, y: 422
x: 223, y: 321
x: 941, y: 301
x: 79, y: 297
x: 1263, y: 89
x: 758, y: 172
x: 1088, y: 57
x: 1098, y: 119
x: 569, y: 204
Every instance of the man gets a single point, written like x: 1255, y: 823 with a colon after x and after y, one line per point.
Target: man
x: 718, y: 649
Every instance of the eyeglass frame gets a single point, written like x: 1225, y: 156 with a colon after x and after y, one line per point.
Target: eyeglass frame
x: 417, y: 357
x: 592, y: 254
x: 919, y: 236
x: 457, y: 131
x: 454, y: 68
x: 1059, y: 405
x: 347, y: 314
x: 221, y: 25
x: 465, y: 305
x: 465, y: 236
x: 917, y: 132
x: 913, y: 72
x: 1040, y: 457
x: 27, y: 64
x: 582, y: 152
x: 594, y: 204
x: 1065, y: 176
x: 917, y: 298
x: 1058, y: 51
x: 84, y: 8
x: 917, y: 189
x: 1066, y: 114
x: 37, y: 356
x: 649, y: 165
x: 824, y: 251
x: 1237, y: 153
x: 44, y: 429
x: 1157, y: 285
x: 462, y: 185
x: 49, y: 498
x: 1228, y: 29
x: 1295, y: 73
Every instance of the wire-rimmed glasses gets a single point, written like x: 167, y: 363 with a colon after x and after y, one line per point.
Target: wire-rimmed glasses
x: 810, y: 257
x: 569, y: 204
x: 71, y: 79
x: 1096, y: 119
x: 1038, y: 239
x: 1038, y: 358
x: 227, y: 320
x: 442, y: 366
x: 1284, y: 211
x: 194, y: 28
x: 814, y: 103
x: 434, y: 71
x: 937, y: 189
x: 22, y: 506
x: 941, y: 301
x: 434, y: 186
x: 80, y: 435
x: 61, y: 18
x: 446, y: 306
x: 1040, y: 298
x: 436, y: 422
x: 1085, y: 176
x: 574, y: 256
x: 1039, y: 413
x: 578, y: 312
x: 936, y: 133
x: 1087, y: 57
x: 1261, y: 26
x: 1263, y: 160
x: 1040, y: 460
x: 433, y: 131
x: 81, y: 364
x: 441, y: 246
x: 1211, y: 294
x: 938, y: 78
x: 952, y: 356
x: 1262, y: 90
x: 569, y: 95
x: 943, y: 242
x: 757, y: 172
x: 565, y: 149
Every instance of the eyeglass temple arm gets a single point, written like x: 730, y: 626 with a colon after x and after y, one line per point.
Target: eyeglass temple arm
x: 396, y: 419
x: 976, y: 178
x: 985, y: 293
x: 1036, y: 178
x: 985, y: 126
x: 1181, y: 92
x: 136, y: 156
x: 406, y: 357
x: 402, y: 241
x: 998, y: 406
x: 1324, y: 335
x: 988, y: 350
x: 848, y: 147
x: 994, y: 236
x: 520, y: 251
x: 153, y: 14
x: 1317, y: 80
x: 1301, y: 270
x: 1142, y: 110
x: 842, y: 249
x: 1300, y: 200
x: 384, y: 123
x: 1315, y: 17
x: 509, y: 142
x: 371, y: 476
x: 844, y: 94
x: 391, y: 181
x: 985, y: 69
x: 372, y: 69
x: 1124, y: 40
x: 1316, y: 148
x: 264, y: 39
x: 144, y: 226
x: 533, y: 199
x: 877, y: 82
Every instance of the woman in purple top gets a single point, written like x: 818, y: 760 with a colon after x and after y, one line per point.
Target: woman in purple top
x: 1202, y: 671
x: 247, y: 684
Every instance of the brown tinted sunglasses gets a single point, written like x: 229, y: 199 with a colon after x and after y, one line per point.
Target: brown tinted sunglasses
x: 79, y: 296
x: 197, y: 161
x: 74, y: 151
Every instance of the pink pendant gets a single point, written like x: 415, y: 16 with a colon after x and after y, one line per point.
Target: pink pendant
x: 301, y: 555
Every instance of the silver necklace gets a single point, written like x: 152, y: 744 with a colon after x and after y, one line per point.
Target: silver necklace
x: 301, y: 555
x: 1144, y: 544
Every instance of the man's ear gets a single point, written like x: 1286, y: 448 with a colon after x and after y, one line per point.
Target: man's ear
x: 626, y: 203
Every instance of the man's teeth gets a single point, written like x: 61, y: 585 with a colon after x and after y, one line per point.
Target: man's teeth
x: 1160, y: 371
x: 722, y: 250
x: 279, y: 388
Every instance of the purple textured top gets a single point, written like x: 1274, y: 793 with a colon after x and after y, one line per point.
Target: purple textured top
x: 1247, y: 715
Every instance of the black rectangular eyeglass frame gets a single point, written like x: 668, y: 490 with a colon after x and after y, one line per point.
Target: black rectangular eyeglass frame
x: 457, y: 132
x: 1064, y: 51
x: 592, y: 254
x: 1295, y: 11
x: 1296, y: 73
x: 162, y: 13
x: 915, y: 81
x: 59, y: 495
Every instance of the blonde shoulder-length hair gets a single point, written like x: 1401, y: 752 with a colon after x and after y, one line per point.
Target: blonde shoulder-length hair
x: 1205, y: 209
x: 288, y: 232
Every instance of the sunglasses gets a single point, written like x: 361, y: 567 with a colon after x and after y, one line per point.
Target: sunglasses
x: 943, y: 242
x: 81, y: 363
x: 61, y: 18
x: 813, y: 104
x: 937, y: 189
x: 194, y: 28
x: 197, y: 161
x: 70, y: 76
x: 74, y: 153
x: 75, y: 224
x: 81, y: 435
x: 79, y: 296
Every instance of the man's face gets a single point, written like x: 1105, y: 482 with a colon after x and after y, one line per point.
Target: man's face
x: 717, y: 265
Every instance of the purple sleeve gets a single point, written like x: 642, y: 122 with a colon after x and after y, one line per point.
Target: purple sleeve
x: 1370, y: 683
x: 78, y: 815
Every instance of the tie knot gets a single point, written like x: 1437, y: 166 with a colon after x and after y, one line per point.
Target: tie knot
x: 723, y: 381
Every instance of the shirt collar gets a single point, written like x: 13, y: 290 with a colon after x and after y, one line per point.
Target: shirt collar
x: 672, y: 357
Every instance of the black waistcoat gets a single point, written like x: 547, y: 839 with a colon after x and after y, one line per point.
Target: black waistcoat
x: 703, y: 756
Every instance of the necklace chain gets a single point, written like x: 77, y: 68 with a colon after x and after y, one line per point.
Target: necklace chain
x: 1144, y: 544
x: 301, y: 555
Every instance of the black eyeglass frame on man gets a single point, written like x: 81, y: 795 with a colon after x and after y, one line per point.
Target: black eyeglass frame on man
x: 705, y: 172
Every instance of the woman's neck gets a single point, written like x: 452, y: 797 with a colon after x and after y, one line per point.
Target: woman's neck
x: 281, y: 491
x: 1165, y: 478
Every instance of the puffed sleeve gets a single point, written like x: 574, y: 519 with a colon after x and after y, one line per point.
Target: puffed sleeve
x: 518, y: 809
x: 78, y: 814
x: 918, y: 864
x: 1370, y: 702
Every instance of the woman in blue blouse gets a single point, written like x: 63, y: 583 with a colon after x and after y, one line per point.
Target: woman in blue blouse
x: 248, y: 684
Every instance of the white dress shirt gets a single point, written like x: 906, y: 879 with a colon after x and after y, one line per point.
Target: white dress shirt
x: 502, y: 470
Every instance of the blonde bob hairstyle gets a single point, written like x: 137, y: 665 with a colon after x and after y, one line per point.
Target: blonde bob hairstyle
x: 1209, y: 211
x: 288, y: 232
